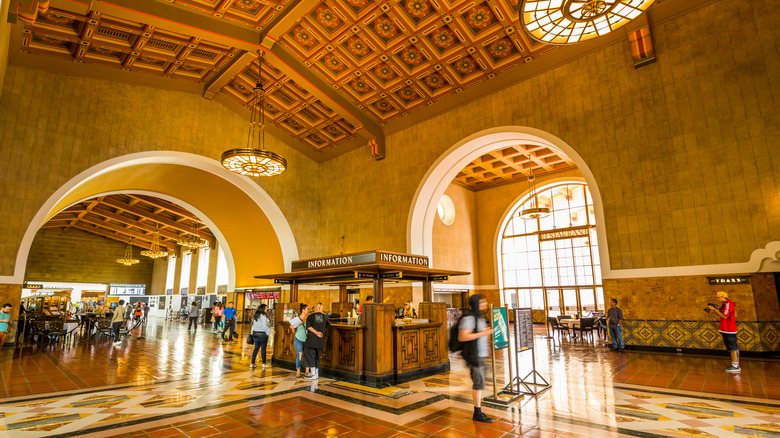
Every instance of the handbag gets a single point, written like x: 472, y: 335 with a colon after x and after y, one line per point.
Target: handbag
x: 250, y: 340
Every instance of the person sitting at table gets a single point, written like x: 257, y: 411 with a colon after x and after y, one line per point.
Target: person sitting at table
x: 407, y: 311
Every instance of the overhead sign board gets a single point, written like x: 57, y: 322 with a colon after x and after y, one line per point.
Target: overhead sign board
x: 361, y: 258
x: 364, y: 274
x: 391, y: 275
x: 439, y: 278
x: 282, y: 281
x: 729, y: 279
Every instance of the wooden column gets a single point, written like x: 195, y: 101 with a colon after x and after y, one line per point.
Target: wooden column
x: 343, y: 295
x: 427, y: 291
x: 378, y: 341
x: 283, y: 350
x: 294, y: 293
x: 379, y: 293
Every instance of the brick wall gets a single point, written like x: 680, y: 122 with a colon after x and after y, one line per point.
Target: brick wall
x: 78, y: 256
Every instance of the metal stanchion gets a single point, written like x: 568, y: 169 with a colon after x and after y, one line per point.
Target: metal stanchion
x: 499, y: 323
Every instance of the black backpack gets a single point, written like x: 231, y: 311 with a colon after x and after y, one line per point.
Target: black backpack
x: 455, y: 344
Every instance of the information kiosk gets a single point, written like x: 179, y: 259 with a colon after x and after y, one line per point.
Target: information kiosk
x: 380, y: 350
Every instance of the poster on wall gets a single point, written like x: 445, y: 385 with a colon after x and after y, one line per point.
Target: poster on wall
x: 500, y: 328
x: 162, y: 302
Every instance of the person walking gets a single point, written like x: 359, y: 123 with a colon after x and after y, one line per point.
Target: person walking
x: 117, y: 319
x: 138, y: 313
x: 146, y: 313
x: 298, y: 327
x: 260, y: 333
x: 193, y: 316
x: 5, y: 319
x: 473, y: 332
x: 217, y: 312
x: 614, y: 321
x: 230, y: 321
x: 317, y: 325
x: 728, y: 328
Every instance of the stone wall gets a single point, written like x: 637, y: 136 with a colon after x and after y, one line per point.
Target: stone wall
x: 78, y: 256
x: 54, y: 126
x: 684, y: 150
x: 455, y: 245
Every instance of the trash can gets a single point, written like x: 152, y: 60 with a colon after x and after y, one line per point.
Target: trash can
x: 207, y: 315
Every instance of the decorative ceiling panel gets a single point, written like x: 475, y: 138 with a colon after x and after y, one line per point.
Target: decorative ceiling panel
x: 391, y: 58
x: 512, y: 164
x: 131, y: 218
x: 290, y: 107
x: 254, y: 13
x: 113, y: 42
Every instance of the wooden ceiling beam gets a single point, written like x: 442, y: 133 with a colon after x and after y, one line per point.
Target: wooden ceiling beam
x: 107, y: 234
x: 167, y: 206
x: 226, y: 75
x: 89, y: 205
x: 129, y: 232
x: 141, y: 226
x: 140, y: 212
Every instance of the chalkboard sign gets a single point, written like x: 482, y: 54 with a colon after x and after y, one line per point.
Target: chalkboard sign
x: 524, y: 328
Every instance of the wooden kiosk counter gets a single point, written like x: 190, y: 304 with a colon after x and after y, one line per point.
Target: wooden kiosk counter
x: 379, y: 351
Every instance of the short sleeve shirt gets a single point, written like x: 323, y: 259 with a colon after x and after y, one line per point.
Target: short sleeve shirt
x: 467, y: 323
x: 728, y: 324
x: 319, y: 322
x: 4, y: 325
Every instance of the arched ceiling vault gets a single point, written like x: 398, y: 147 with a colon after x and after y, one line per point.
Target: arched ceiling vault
x: 338, y: 74
x: 243, y: 227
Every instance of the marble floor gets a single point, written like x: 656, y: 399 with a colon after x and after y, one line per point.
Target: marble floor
x: 178, y: 383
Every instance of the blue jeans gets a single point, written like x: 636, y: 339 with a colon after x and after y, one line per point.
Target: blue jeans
x: 298, y: 344
x: 261, y: 341
x: 616, y: 333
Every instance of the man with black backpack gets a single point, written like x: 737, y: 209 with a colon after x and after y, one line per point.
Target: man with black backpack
x: 473, y: 331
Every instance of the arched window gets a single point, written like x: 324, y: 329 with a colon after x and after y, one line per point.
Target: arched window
x: 552, y: 264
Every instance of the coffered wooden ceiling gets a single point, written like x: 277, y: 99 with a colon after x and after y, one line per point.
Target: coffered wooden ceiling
x: 132, y: 218
x: 511, y: 165
x: 339, y: 74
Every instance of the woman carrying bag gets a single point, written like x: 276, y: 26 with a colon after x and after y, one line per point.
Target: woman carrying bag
x: 260, y: 333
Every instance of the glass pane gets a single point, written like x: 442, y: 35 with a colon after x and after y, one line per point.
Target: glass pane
x: 553, y: 302
x: 537, y: 299
x: 570, y: 301
x: 587, y: 300
x: 523, y: 298
x: 600, y: 298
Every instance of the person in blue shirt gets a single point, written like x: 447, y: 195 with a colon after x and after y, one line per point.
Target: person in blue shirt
x: 5, y: 319
x: 230, y: 321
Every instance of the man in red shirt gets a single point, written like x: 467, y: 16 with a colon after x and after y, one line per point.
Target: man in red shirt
x: 728, y: 328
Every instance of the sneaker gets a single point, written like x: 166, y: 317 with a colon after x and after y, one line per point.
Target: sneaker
x: 265, y: 365
x: 622, y: 350
x: 482, y: 418
x: 310, y: 377
x: 252, y: 366
x: 732, y: 369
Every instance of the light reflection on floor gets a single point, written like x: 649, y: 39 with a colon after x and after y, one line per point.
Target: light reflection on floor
x: 180, y: 383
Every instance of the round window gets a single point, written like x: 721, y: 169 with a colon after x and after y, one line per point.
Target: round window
x: 446, y: 210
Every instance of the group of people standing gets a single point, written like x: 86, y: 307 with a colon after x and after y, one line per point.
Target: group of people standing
x: 310, y: 329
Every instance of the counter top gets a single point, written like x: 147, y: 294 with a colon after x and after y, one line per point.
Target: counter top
x: 415, y: 326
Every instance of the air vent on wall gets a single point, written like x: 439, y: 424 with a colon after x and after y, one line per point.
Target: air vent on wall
x: 113, y: 34
x: 162, y: 45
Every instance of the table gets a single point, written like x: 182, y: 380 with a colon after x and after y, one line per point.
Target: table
x: 571, y: 324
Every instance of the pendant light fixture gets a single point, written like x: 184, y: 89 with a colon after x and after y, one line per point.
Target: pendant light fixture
x: 254, y: 160
x: 128, y: 259
x: 534, y: 211
x: 155, y: 252
x: 192, y: 240
x: 573, y: 21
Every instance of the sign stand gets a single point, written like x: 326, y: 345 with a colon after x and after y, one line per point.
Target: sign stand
x: 524, y: 340
x: 500, y: 324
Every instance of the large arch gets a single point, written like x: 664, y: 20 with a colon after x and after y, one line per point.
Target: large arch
x: 422, y: 213
x: 443, y: 172
x: 248, y: 224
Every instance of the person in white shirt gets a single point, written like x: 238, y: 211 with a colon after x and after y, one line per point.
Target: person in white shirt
x: 260, y: 333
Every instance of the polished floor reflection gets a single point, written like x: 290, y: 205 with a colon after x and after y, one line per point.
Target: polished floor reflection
x: 180, y: 383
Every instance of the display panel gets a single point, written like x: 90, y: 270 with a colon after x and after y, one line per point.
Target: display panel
x: 127, y: 289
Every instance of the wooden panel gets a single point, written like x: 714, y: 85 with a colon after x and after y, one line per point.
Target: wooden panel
x: 283, y: 335
x: 437, y: 312
x: 429, y: 347
x: 408, y: 350
x: 378, y: 340
x: 419, y: 346
x: 342, y: 308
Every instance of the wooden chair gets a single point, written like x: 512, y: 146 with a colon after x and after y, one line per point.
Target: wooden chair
x: 586, y: 325
x: 56, y: 329
x: 553, y: 321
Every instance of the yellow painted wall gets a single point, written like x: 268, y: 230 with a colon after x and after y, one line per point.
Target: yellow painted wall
x: 455, y: 245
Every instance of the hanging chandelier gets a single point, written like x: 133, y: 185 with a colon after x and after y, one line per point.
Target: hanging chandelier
x: 192, y: 240
x: 573, y: 21
x: 155, y: 252
x: 128, y: 259
x: 534, y: 211
x: 254, y: 160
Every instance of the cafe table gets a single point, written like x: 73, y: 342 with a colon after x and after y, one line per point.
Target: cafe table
x: 571, y: 324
